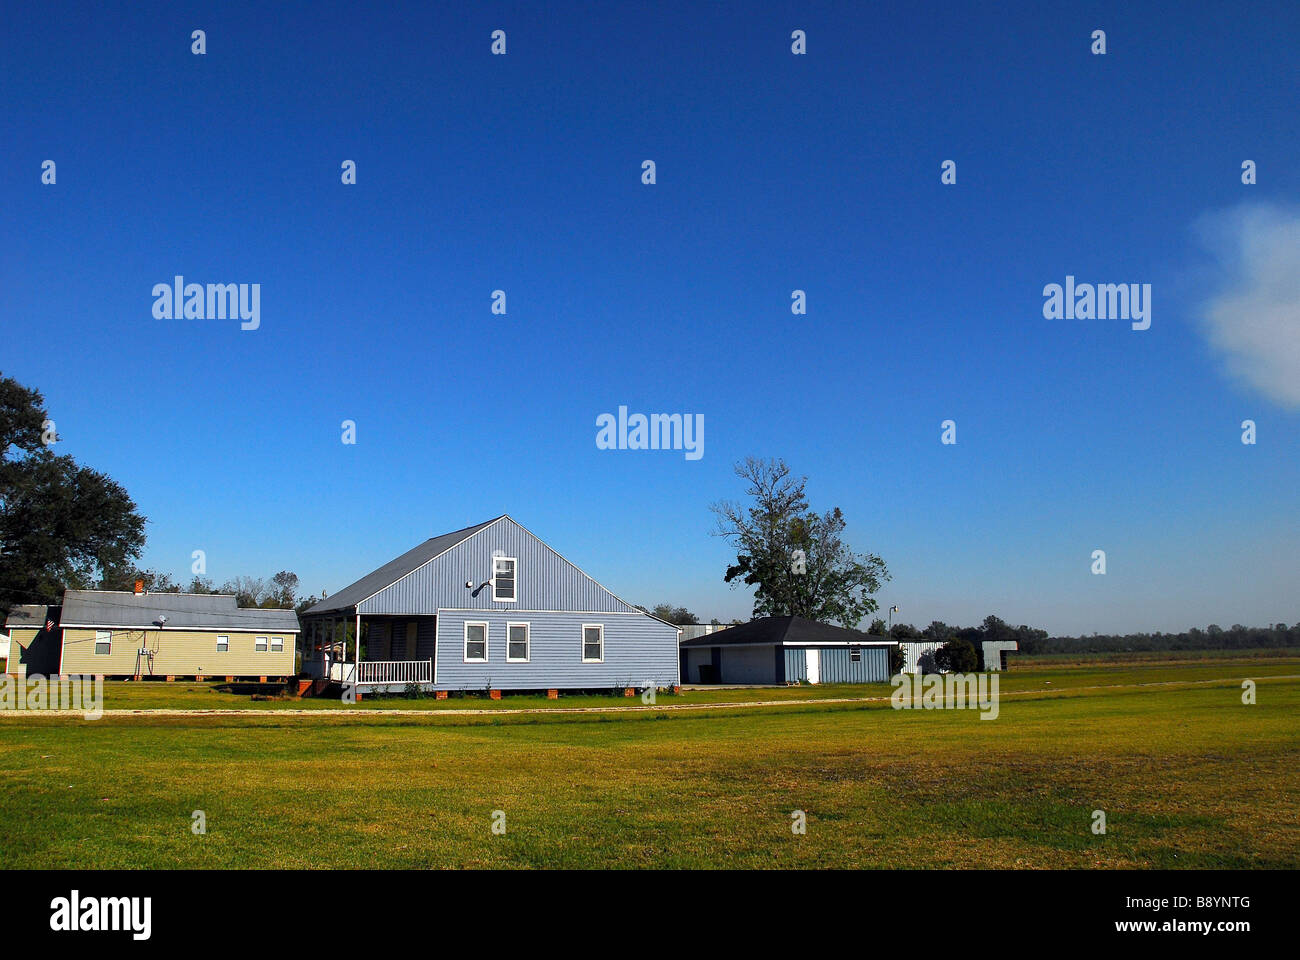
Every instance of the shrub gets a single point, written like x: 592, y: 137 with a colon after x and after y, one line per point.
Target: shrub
x: 957, y: 656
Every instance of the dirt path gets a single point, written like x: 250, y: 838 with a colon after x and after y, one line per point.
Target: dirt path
x: 370, y: 712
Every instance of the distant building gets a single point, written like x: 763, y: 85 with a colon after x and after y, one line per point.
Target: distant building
x: 786, y: 650
x: 689, y: 631
x: 120, y: 633
x: 918, y: 655
x: 34, y: 640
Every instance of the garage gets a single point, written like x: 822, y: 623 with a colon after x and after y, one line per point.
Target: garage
x: 776, y: 650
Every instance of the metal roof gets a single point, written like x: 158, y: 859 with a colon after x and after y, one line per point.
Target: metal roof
x: 195, y: 611
x: 394, y: 570
x: 786, y: 630
x: 27, y: 615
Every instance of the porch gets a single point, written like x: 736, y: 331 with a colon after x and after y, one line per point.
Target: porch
x: 388, y: 655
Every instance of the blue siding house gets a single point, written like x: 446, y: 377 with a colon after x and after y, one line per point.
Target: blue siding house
x: 490, y: 607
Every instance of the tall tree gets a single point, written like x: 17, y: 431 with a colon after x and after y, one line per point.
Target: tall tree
x: 284, y: 586
x: 794, y: 558
x: 248, y: 591
x: 61, y: 524
x: 125, y: 576
x: 675, y: 615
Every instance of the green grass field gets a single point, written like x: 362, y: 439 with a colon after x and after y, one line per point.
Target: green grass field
x: 1187, y: 775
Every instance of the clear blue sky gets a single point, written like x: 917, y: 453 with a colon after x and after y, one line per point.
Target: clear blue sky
x: 775, y: 172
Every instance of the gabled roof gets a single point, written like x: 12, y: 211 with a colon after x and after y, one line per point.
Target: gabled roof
x: 786, y: 630
x: 30, y: 616
x: 394, y: 570
x: 145, y: 611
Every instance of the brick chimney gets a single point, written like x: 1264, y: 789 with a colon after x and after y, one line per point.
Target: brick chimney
x: 139, y: 587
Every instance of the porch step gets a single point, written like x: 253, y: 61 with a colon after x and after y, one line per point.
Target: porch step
x: 308, y: 687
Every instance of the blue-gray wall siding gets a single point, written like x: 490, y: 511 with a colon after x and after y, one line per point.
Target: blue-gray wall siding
x: 837, y: 667
x: 638, y: 650
x: 545, y: 580
x: 796, y: 665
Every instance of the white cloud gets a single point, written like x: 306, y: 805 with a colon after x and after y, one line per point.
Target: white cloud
x: 1254, y: 319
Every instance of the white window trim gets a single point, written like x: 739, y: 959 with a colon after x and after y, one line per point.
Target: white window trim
x: 515, y: 570
x: 528, y: 643
x: 261, y: 645
x: 98, y: 641
x: 583, y: 641
x: 486, y: 645
x: 220, y: 639
x: 280, y: 640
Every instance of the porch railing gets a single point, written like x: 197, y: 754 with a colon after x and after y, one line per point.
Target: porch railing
x: 395, y: 671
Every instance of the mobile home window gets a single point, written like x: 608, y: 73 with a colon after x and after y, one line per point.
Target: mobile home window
x: 260, y: 646
x: 277, y: 644
x: 476, y: 642
x: 223, y: 644
x: 517, y: 642
x: 593, y: 643
x: 503, y: 579
x: 104, y: 641
x: 855, y: 654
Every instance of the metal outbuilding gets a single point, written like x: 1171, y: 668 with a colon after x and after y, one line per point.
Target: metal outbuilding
x: 786, y: 650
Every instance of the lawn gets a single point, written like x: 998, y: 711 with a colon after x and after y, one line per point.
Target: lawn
x: 153, y: 695
x: 1187, y: 775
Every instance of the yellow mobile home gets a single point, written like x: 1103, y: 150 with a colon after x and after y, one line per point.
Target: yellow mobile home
x: 164, y: 635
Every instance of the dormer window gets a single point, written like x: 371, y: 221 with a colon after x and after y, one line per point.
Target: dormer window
x: 503, y: 579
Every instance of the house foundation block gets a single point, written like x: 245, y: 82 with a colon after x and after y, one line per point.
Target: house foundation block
x: 552, y: 694
x: 494, y: 694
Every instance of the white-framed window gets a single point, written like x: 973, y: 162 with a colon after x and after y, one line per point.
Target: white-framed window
x: 503, y: 579
x: 223, y: 644
x: 593, y: 643
x: 260, y: 645
x: 476, y: 642
x: 517, y: 647
x: 104, y: 641
x: 855, y: 654
x: 277, y: 644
